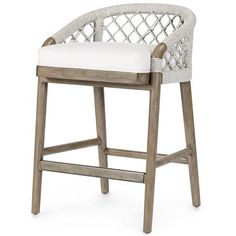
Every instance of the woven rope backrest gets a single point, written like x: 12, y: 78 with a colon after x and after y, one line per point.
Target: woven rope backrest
x: 138, y: 23
x: 137, y: 27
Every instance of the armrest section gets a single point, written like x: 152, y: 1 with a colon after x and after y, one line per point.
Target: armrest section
x: 49, y: 41
x: 159, y: 51
x: 173, y: 57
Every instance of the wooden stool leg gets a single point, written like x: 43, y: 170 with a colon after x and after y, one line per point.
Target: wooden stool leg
x: 151, y: 151
x: 101, y: 132
x: 186, y: 96
x: 39, y: 145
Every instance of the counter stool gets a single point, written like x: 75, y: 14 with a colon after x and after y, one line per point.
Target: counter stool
x: 134, y: 46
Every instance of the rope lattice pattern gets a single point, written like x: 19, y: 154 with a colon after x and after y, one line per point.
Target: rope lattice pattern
x: 149, y: 28
x: 83, y: 34
x: 177, y: 57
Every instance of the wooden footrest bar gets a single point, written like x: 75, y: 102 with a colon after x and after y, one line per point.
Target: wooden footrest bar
x: 125, y: 175
x: 71, y: 146
x: 143, y: 155
x: 128, y: 153
x: 173, y: 157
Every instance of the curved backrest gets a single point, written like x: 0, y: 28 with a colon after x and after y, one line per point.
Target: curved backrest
x: 140, y: 23
x: 133, y: 23
x: 135, y: 27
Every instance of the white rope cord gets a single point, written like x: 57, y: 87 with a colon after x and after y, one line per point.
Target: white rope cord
x: 83, y: 34
x: 135, y: 29
x: 177, y: 57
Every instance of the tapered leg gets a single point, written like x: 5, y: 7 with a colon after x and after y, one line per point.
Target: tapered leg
x: 101, y: 132
x: 151, y: 151
x: 39, y: 145
x: 186, y: 96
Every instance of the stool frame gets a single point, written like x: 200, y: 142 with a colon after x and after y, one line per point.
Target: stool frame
x: 150, y: 82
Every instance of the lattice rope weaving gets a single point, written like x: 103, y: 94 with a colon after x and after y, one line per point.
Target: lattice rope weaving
x: 83, y: 34
x: 177, y: 57
x: 149, y: 28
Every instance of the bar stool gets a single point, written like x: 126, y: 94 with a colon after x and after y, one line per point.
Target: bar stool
x: 134, y: 46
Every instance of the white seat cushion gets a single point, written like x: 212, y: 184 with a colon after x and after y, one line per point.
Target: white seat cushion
x: 125, y: 57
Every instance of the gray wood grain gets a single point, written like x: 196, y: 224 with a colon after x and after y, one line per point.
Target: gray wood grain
x: 39, y: 144
x: 93, y: 75
x: 71, y: 146
x: 93, y: 171
x: 143, y: 155
x: 98, y: 84
x: 99, y: 102
x: 151, y: 150
x: 174, y: 157
x: 187, y: 105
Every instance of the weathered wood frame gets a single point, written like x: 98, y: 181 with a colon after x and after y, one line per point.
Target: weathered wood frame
x: 150, y: 82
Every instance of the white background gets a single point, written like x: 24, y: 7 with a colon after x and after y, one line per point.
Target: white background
x: 73, y: 205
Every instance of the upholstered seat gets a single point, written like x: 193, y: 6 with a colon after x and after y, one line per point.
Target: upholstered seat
x: 98, y: 56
